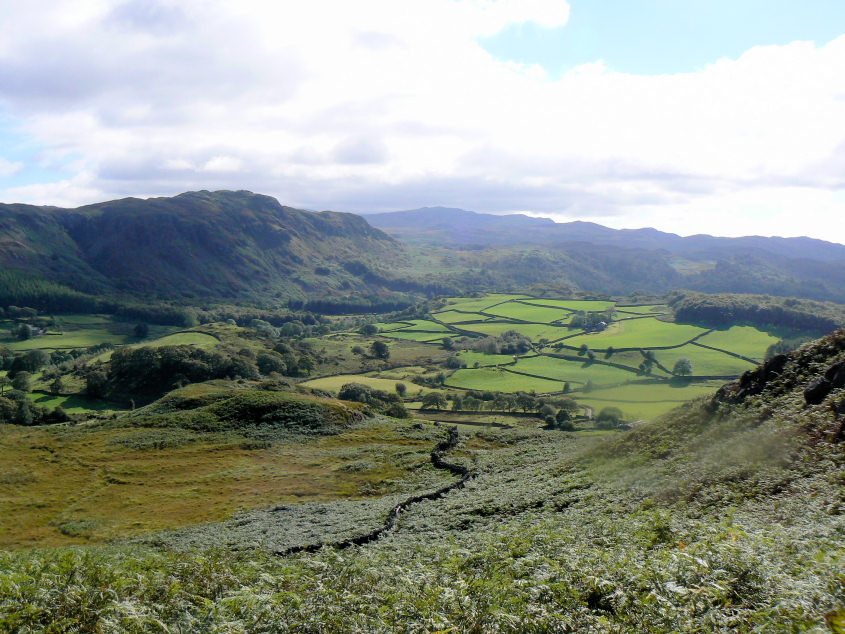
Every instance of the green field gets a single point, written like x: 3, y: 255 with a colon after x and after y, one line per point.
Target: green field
x: 78, y: 331
x: 591, y: 306
x: 705, y: 362
x: 535, y: 332
x: 415, y: 335
x: 573, y: 371
x: 651, y: 309
x: 454, y: 317
x: 333, y: 384
x: 199, y: 339
x: 638, y: 333
x: 72, y: 404
x: 426, y: 325
x: 83, y: 338
x: 646, y: 400
x: 526, y: 312
x: 744, y: 340
x: 474, y: 304
x: 500, y: 380
x: 394, y: 325
x: 470, y: 356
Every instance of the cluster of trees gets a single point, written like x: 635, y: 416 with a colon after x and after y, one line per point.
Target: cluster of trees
x: 377, y: 350
x: 584, y: 351
x: 145, y: 373
x: 509, y: 342
x: 475, y: 401
x: 787, y: 344
x: 379, y: 400
x: 22, y: 289
x: 592, y: 321
x: 725, y: 310
x: 20, y: 367
x: 16, y: 408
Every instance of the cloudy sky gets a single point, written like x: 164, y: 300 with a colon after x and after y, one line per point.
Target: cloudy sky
x: 723, y: 117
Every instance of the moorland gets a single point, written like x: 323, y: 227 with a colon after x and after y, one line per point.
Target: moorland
x: 221, y: 414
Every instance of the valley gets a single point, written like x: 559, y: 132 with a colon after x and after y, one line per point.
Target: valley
x: 532, y: 456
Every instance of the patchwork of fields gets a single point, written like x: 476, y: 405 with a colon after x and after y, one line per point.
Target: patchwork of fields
x: 629, y: 363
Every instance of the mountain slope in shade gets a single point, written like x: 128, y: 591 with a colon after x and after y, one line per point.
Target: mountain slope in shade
x: 459, y: 227
x: 212, y: 244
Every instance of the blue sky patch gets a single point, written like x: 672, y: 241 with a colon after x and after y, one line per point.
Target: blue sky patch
x: 652, y: 37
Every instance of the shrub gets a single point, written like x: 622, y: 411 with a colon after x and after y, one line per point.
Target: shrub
x: 609, y: 418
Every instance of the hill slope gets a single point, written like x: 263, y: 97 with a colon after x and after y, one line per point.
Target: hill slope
x: 726, y: 515
x: 198, y: 244
x: 239, y: 246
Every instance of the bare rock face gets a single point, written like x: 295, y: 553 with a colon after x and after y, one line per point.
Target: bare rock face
x: 817, y: 390
x: 836, y: 374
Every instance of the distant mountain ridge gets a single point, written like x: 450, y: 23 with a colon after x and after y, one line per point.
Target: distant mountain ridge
x: 240, y: 247
x: 459, y: 227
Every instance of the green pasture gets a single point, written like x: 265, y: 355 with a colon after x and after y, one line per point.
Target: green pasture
x: 535, y: 332
x: 705, y: 362
x: 333, y: 384
x: 77, y: 331
x: 454, y: 317
x: 74, y: 339
x: 399, y: 374
x: 745, y: 340
x: 577, y: 305
x: 474, y: 304
x: 426, y: 325
x: 471, y: 356
x: 71, y: 403
x: 638, y: 333
x: 190, y: 338
x: 415, y: 335
x: 651, y: 309
x: 526, y: 312
x: 500, y: 380
x: 393, y: 325
x: 646, y: 400
x: 573, y: 371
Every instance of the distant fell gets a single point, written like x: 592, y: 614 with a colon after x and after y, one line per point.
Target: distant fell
x: 459, y: 228
x: 224, y: 244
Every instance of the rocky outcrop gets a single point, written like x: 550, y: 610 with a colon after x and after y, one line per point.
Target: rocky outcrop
x: 752, y: 382
x: 817, y: 390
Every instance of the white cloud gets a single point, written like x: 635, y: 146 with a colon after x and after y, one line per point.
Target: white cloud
x: 9, y: 168
x: 378, y: 105
x: 222, y: 164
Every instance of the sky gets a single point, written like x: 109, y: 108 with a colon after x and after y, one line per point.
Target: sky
x: 724, y: 117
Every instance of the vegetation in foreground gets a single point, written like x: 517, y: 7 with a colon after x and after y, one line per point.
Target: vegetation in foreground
x: 725, y: 515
